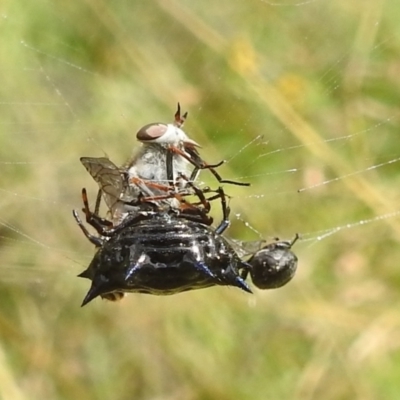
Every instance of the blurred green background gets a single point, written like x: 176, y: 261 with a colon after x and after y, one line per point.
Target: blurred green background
x: 319, y: 80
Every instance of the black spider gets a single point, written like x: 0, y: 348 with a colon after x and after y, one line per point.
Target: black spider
x: 160, y: 252
x: 170, y: 251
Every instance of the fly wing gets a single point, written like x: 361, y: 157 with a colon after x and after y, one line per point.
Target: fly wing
x: 108, y: 176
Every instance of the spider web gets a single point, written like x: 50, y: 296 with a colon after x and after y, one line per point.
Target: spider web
x: 300, y: 107
x: 300, y: 97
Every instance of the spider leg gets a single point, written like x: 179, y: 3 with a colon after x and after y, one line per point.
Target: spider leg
x: 199, y: 193
x: 199, y: 163
x: 192, y: 208
x: 220, y: 180
x: 172, y: 193
x: 92, y: 218
x: 144, y: 186
x: 192, y: 156
x: 96, y: 240
x: 98, y: 201
x: 100, y: 223
x: 188, y: 209
x: 225, y: 213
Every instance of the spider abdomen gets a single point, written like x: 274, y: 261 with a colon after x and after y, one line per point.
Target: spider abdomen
x: 163, y: 255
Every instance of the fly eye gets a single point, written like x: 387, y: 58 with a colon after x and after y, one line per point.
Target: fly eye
x: 151, y: 132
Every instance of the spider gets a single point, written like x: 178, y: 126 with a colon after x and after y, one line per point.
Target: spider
x: 168, y: 251
x: 162, y: 252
